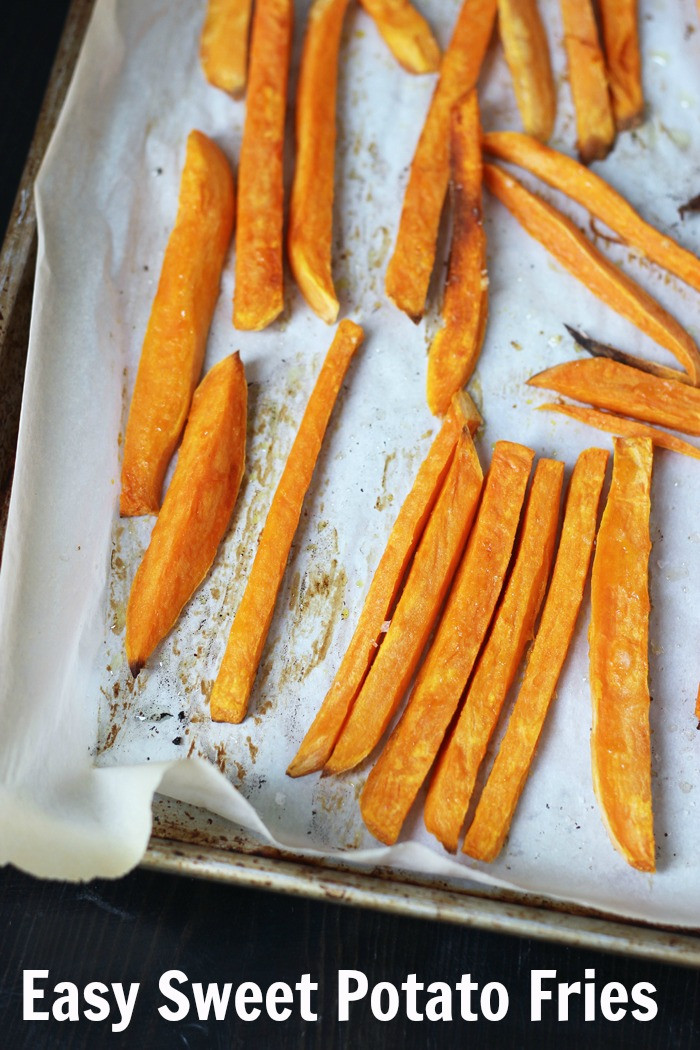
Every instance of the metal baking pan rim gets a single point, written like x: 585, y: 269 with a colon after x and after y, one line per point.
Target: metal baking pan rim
x: 298, y: 879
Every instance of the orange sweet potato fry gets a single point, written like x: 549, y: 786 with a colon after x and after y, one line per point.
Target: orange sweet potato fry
x: 311, y: 204
x: 589, y: 81
x: 411, y: 265
x: 456, y: 347
x: 527, y: 54
x: 593, y: 192
x: 223, y: 48
x: 258, y: 296
x: 175, y: 340
x: 619, y: 658
x: 504, y: 786
x: 427, y: 584
x: 574, y: 251
x: 195, y: 512
x: 456, y: 770
x: 619, y: 388
x: 697, y: 706
x: 621, y: 38
x: 596, y: 349
x: 234, y: 682
x: 614, y: 424
x: 392, y: 786
x: 321, y: 737
x: 406, y: 33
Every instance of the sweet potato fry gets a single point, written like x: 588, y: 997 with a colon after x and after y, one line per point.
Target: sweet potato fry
x: 619, y: 388
x: 697, y: 706
x: 223, y: 48
x: 391, y: 788
x: 195, y: 512
x: 586, y: 188
x: 411, y: 265
x: 406, y: 33
x: 311, y: 204
x: 176, y: 336
x: 456, y: 770
x: 621, y: 38
x: 504, y: 786
x: 321, y: 737
x: 596, y: 349
x: 527, y: 54
x: 574, y: 251
x: 428, y: 582
x: 234, y: 682
x: 258, y: 295
x: 614, y: 424
x: 619, y: 658
x: 589, y: 81
x: 456, y: 347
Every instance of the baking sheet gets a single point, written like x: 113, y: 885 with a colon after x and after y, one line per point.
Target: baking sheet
x: 106, y: 198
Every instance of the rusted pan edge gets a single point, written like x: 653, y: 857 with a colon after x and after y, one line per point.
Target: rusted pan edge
x: 368, y: 891
x: 18, y: 255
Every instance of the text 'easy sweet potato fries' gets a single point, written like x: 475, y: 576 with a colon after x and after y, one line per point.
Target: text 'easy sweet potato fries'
x: 234, y: 682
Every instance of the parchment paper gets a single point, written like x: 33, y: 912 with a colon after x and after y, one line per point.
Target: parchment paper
x: 82, y: 750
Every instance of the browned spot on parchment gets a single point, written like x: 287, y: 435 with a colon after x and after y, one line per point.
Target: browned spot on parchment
x: 221, y: 756
x: 111, y: 737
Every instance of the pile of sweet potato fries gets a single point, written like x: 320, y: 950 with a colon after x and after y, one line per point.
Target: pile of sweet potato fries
x: 476, y: 567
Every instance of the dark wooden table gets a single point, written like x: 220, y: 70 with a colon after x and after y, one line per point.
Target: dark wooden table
x: 135, y: 929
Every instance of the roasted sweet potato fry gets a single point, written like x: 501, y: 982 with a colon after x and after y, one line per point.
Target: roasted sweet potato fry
x: 527, y: 54
x: 456, y: 770
x: 195, y: 512
x: 589, y: 81
x: 596, y: 349
x: 619, y: 388
x: 392, y: 787
x: 574, y: 251
x: 456, y: 347
x: 175, y: 340
x: 619, y: 641
x: 234, y: 682
x: 408, y: 273
x: 614, y: 424
x: 697, y: 706
x: 258, y: 295
x: 223, y: 48
x: 311, y: 205
x: 406, y: 33
x: 321, y: 738
x: 509, y: 773
x: 586, y: 188
x: 621, y: 38
x: 428, y: 582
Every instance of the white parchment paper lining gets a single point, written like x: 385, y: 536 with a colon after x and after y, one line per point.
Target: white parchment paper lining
x: 76, y: 788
